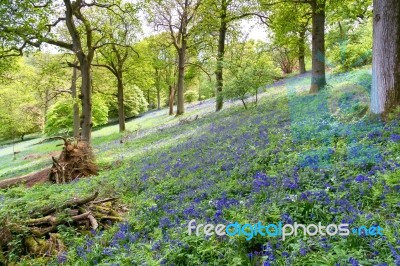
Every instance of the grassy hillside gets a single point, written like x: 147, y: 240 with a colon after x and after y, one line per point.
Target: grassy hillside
x: 293, y: 158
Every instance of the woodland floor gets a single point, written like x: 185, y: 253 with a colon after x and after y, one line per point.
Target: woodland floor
x: 294, y: 157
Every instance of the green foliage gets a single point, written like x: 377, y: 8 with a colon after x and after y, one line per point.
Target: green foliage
x: 134, y: 102
x: 60, y: 116
x: 245, y: 84
x: 350, y: 45
x: 290, y: 24
x: 250, y: 68
x: 191, y: 96
x: 21, y: 113
x: 23, y: 120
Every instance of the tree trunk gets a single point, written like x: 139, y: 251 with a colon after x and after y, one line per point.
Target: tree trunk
x: 181, y: 76
x: 84, y: 62
x: 121, y: 111
x: 86, y: 89
x: 244, y: 104
x: 148, y: 97
x: 74, y: 97
x: 158, y: 99
x: 302, y: 45
x: 158, y: 88
x: 385, y: 92
x: 171, y: 99
x: 318, y: 79
x: 220, y: 57
x: 46, y: 104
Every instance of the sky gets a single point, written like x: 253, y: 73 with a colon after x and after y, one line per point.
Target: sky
x: 251, y: 27
x: 255, y: 30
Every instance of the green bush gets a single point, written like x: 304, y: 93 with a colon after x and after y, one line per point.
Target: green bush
x: 256, y: 70
x: 191, y: 96
x: 347, y: 56
x: 246, y: 83
x: 350, y: 50
x: 134, y: 102
x: 60, y: 116
x: 21, y: 121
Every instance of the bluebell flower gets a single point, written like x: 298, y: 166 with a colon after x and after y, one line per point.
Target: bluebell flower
x: 395, y: 137
x: 290, y: 184
x: 156, y: 246
x: 62, y: 258
x: 375, y: 134
x: 303, y: 251
x: 107, y: 251
x: 165, y: 222
x: 361, y: 178
x: 81, y: 251
x: 354, y: 262
x: 260, y: 180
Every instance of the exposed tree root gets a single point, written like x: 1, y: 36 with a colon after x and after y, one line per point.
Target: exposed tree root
x: 75, y: 161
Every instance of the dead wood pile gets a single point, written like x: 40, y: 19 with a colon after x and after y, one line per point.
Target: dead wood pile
x: 39, y: 231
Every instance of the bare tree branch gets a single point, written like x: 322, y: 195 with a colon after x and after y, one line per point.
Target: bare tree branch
x: 201, y: 68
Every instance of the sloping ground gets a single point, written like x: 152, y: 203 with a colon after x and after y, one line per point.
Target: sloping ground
x: 294, y: 158
x: 33, y: 155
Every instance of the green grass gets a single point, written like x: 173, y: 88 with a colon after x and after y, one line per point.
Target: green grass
x: 295, y: 156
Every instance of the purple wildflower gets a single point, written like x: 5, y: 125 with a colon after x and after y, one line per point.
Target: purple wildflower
x: 62, y: 258
x: 361, y: 178
x: 395, y: 137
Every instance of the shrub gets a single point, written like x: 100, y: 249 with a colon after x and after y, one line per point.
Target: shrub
x: 60, y: 116
x: 191, y: 96
x: 246, y: 83
x: 134, y: 102
x: 352, y: 49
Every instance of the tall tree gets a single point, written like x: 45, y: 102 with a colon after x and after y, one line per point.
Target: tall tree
x: 74, y: 95
x: 223, y: 14
x: 385, y: 94
x: 318, y: 15
x: 318, y: 78
x: 115, y: 55
x: 25, y: 24
x: 164, y: 66
x: 178, y: 17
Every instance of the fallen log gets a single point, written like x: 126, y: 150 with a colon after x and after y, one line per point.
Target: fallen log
x: 29, y: 179
x: 57, y: 221
x: 44, y: 220
x: 71, y: 203
x: 104, y: 200
x: 93, y: 222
